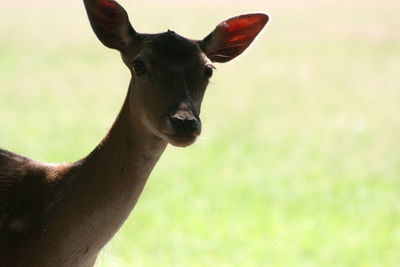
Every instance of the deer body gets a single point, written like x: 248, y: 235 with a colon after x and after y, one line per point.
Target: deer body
x: 63, y: 214
x: 86, y: 202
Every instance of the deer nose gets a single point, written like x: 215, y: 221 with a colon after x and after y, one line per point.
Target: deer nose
x: 185, y: 123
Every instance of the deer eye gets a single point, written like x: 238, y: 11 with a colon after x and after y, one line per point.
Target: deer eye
x: 208, y: 71
x: 139, y: 67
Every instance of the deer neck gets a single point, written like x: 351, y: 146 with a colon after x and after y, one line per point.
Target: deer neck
x: 128, y: 150
x: 126, y: 156
x: 103, y: 188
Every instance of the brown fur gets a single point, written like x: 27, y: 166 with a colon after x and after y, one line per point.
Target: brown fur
x: 61, y: 215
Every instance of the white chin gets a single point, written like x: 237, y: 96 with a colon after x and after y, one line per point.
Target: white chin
x: 180, y: 140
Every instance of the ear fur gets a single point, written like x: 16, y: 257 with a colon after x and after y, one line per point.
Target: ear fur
x: 232, y: 36
x: 110, y: 23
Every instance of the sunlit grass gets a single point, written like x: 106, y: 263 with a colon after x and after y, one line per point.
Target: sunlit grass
x: 299, y: 162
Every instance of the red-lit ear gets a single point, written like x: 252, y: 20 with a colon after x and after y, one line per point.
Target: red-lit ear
x: 232, y: 36
x: 110, y: 22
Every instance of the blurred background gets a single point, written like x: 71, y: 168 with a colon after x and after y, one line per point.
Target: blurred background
x: 299, y: 161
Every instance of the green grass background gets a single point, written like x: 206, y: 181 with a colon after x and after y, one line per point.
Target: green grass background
x: 299, y: 161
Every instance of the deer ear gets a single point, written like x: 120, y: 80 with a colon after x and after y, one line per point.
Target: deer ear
x: 232, y: 36
x: 110, y: 23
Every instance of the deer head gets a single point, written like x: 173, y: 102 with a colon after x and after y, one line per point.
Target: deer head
x: 170, y: 73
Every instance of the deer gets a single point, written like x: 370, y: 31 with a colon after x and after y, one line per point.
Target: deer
x: 63, y: 214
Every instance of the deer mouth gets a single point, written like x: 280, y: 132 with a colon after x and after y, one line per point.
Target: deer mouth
x: 181, y: 131
x: 180, y: 140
